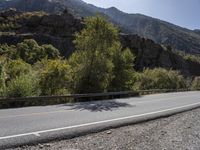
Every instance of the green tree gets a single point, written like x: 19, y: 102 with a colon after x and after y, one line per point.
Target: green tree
x: 92, y: 63
x: 55, y: 78
x: 98, y: 35
x: 90, y: 74
x: 123, y: 71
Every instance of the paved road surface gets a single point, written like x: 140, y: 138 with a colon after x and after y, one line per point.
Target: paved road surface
x: 40, y: 124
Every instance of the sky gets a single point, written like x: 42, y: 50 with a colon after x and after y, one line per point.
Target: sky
x: 185, y: 13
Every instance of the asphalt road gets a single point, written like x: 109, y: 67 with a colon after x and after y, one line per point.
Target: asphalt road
x: 32, y: 125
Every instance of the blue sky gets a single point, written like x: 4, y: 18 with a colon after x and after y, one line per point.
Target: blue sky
x: 185, y: 13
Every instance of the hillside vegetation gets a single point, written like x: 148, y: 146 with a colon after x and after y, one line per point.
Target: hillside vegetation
x: 59, y: 30
x: 100, y: 64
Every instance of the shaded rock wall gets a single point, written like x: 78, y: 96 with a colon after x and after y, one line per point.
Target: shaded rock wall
x: 150, y: 54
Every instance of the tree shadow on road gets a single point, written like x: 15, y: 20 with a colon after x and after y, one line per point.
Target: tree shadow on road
x: 98, y: 106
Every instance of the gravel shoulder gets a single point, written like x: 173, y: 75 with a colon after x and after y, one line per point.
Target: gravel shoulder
x: 178, y: 132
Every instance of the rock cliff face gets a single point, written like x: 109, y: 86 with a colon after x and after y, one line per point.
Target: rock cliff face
x: 151, y: 55
x: 59, y: 30
x: 197, y: 31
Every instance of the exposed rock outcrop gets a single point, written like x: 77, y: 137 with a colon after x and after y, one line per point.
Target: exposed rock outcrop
x: 149, y: 54
x: 57, y: 30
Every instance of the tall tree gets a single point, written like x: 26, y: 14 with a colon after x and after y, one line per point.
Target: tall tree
x: 93, y: 62
x: 123, y: 72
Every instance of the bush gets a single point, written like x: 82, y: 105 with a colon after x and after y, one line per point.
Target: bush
x: 2, y: 75
x: 8, y: 51
x: 22, y: 86
x: 17, y: 68
x: 160, y: 78
x: 196, y: 83
x: 55, y: 77
x: 189, y: 57
x: 29, y: 51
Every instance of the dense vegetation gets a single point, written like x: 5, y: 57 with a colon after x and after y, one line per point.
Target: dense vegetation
x: 29, y: 51
x: 160, y: 78
x: 189, y: 57
x: 99, y: 64
x: 14, y: 22
x: 196, y: 83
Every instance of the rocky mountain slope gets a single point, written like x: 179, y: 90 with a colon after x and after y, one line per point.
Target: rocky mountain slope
x: 31, y: 5
x: 197, y: 31
x: 160, y: 31
x: 59, y: 30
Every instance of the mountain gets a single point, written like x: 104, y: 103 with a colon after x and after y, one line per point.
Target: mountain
x: 59, y: 30
x: 197, y: 31
x: 31, y: 5
x: 159, y: 31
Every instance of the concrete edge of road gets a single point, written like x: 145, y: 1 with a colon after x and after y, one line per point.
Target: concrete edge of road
x: 84, y: 129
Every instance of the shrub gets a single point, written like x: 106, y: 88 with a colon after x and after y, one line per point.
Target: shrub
x: 17, y: 68
x: 31, y: 52
x: 8, y: 51
x: 50, y: 51
x: 22, y: 86
x: 196, y: 83
x: 189, y: 57
x: 2, y: 75
x: 55, y: 78
x: 160, y: 78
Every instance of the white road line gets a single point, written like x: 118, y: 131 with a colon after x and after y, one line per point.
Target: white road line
x: 99, y: 122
